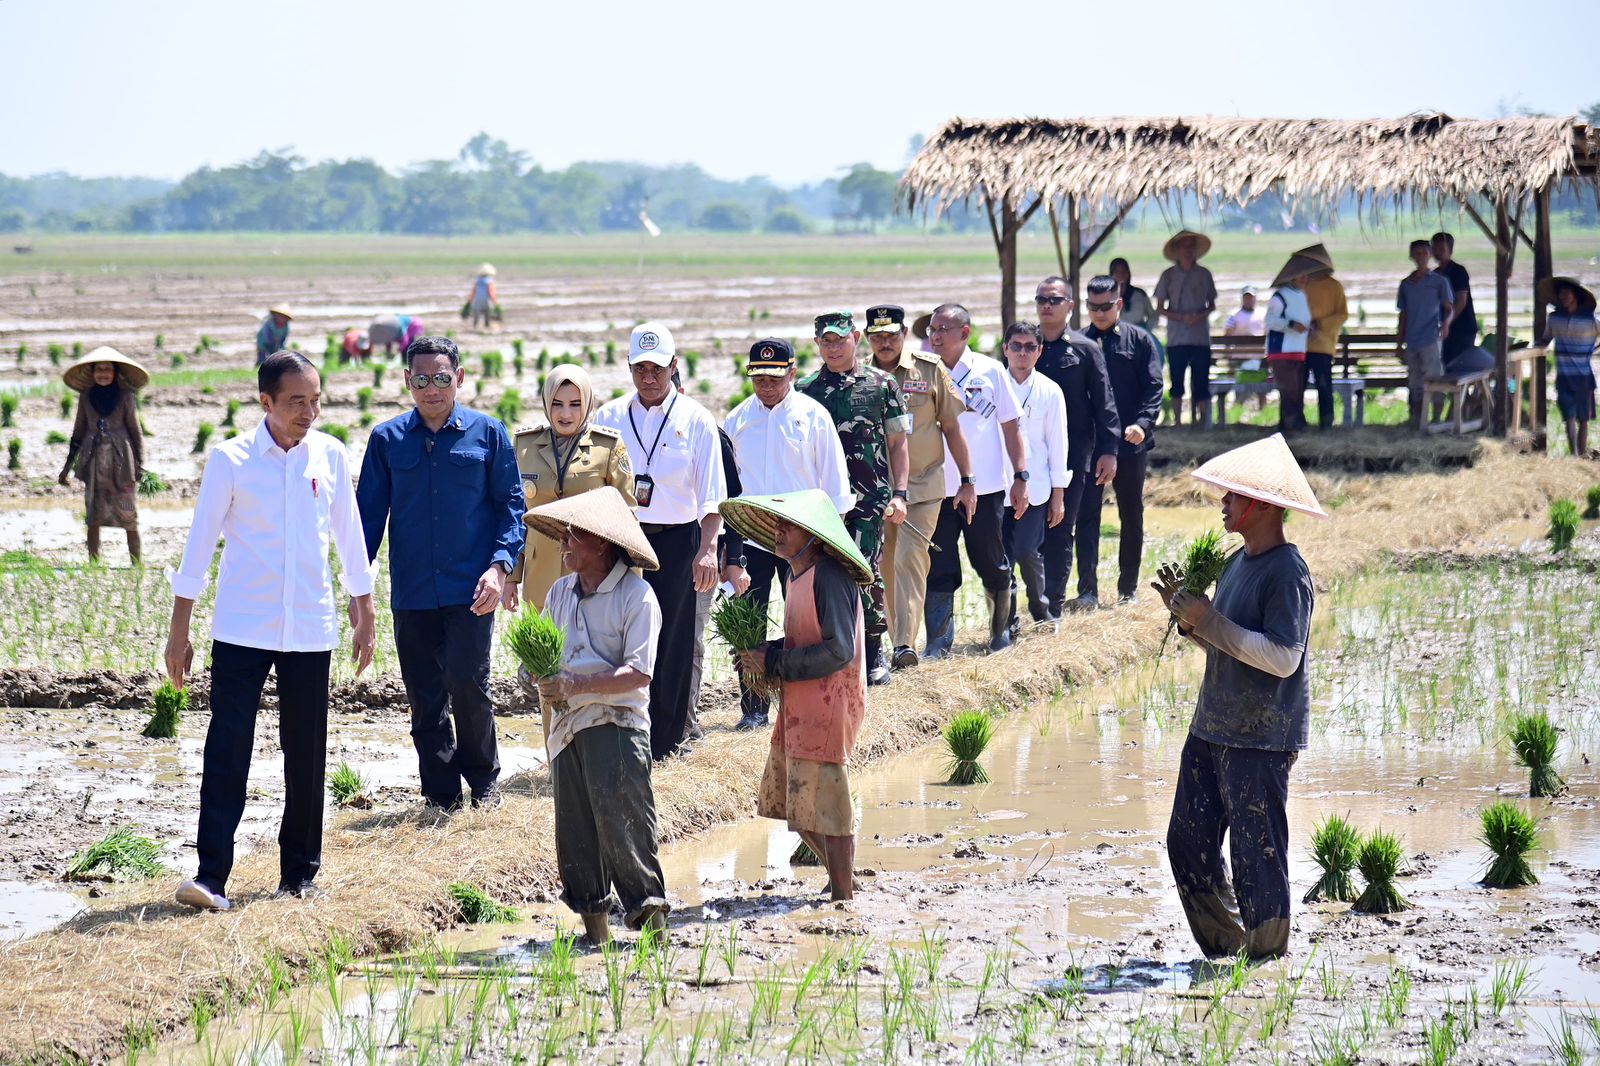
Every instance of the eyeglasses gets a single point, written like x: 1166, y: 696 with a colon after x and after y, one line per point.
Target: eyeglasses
x: 944, y: 329
x: 1053, y: 301
x: 1022, y: 347
x: 443, y: 379
x: 1095, y: 308
x: 647, y: 370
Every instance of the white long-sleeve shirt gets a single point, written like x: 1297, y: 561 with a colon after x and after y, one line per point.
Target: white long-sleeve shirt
x: 1044, y: 427
x: 676, y: 445
x: 991, y: 400
x: 277, y: 513
x: 789, y: 446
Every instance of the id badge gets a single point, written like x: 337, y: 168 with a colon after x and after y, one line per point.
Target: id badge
x: 644, y: 486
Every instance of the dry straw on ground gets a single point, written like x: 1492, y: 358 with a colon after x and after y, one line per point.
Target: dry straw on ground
x: 138, y: 956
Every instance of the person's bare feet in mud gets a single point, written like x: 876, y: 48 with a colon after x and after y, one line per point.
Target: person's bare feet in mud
x: 596, y: 929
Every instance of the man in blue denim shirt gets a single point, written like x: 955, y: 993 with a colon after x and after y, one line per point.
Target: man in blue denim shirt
x: 444, y: 479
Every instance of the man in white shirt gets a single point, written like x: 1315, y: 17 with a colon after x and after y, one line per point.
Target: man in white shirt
x: 678, y: 482
x: 278, y: 496
x: 1044, y: 425
x: 783, y: 441
x: 991, y: 426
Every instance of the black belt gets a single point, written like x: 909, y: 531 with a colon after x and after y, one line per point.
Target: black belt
x: 652, y: 528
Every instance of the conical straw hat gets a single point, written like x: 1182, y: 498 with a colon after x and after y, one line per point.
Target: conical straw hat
x: 280, y: 309
x: 1263, y: 470
x: 1319, y: 252
x: 756, y: 518
x: 603, y: 512
x: 1547, y: 294
x: 1202, y: 244
x: 1298, y: 266
x: 486, y: 270
x: 80, y: 375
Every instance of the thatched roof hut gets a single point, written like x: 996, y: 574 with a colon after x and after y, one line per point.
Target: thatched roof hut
x: 1015, y: 166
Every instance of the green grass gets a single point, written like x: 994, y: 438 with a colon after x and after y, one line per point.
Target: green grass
x: 476, y: 907
x: 1379, y: 862
x: 1336, y: 847
x: 537, y: 642
x: 966, y: 738
x: 1534, y: 739
x: 169, y: 705
x: 1510, y: 833
x: 122, y: 854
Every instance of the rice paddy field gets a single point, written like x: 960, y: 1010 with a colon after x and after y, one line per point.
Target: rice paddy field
x: 1025, y: 917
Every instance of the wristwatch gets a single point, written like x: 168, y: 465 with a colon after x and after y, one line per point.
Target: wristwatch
x: 1022, y: 475
x: 970, y: 479
x: 902, y: 494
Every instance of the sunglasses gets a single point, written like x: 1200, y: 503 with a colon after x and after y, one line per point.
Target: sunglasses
x: 1053, y: 301
x: 443, y: 379
x: 1100, y: 308
x: 1022, y: 347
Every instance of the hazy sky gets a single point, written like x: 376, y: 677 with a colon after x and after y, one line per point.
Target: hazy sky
x: 792, y: 91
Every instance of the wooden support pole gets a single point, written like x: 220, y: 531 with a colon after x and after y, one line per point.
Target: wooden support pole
x: 1074, y: 256
x: 1008, y: 263
x: 1543, y: 267
x: 1055, y: 235
x: 1504, y: 248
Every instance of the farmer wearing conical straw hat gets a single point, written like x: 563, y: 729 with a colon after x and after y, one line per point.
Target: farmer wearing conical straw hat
x: 599, y: 737
x: 107, y: 447
x: 273, y: 336
x: 484, y: 300
x: 1185, y: 296
x: 1252, y: 716
x: 821, y: 663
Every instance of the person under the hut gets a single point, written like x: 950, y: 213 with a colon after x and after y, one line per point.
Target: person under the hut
x: 273, y: 336
x: 821, y: 663
x: 1288, y: 327
x: 106, y: 451
x: 1252, y: 717
x: 599, y: 736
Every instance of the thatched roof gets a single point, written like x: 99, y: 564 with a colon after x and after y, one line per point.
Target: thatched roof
x: 1318, y: 161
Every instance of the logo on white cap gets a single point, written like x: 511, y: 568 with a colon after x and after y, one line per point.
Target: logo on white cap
x: 648, y: 342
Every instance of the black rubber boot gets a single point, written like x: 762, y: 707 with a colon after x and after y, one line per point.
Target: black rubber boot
x: 999, y: 618
x: 938, y: 615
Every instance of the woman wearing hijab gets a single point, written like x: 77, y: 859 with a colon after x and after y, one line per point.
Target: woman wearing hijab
x: 1136, y: 306
x: 107, y: 449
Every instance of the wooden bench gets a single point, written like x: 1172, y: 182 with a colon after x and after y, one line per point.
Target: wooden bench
x: 1460, y: 389
x: 1370, y: 353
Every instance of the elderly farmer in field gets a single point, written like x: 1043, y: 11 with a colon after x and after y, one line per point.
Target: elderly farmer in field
x: 1252, y: 717
x: 106, y: 451
x: 1185, y: 296
x: 1571, y: 331
x: 481, y: 304
x: 1044, y: 430
x: 443, y: 479
x: 273, y: 336
x: 783, y: 441
x: 1133, y: 363
x: 821, y: 664
x: 933, y: 407
x: 1329, y: 310
x: 599, y: 737
x: 870, y: 415
x: 1426, y: 304
x: 279, y: 496
x: 1076, y: 363
x: 392, y: 332
x: 678, y: 480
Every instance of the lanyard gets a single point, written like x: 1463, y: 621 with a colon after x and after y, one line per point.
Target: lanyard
x: 665, y: 418
x: 962, y: 379
x: 561, y: 464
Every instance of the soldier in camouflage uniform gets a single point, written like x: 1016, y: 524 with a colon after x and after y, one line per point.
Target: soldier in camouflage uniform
x: 871, y: 416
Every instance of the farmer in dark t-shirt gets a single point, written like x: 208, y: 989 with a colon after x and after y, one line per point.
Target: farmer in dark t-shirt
x: 1252, y: 716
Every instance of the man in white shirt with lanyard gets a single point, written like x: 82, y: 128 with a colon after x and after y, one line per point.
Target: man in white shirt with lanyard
x: 1044, y: 427
x: 278, y: 496
x: 784, y: 441
x: 992, y: 427
x: 678, y: 481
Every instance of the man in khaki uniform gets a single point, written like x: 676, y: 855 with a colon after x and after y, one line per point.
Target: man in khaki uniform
x: 933, y: 403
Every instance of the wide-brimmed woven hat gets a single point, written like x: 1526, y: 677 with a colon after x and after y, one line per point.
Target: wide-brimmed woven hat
x: 486, y: 269
x: 1263, y: 470
x: 1298, y: 266
x: 1202, y: 244
x: 280, y: 309
x: 756, y: 518
x: 919, y: 328
x: 80, y: 375
x: 1319, y: 252
x: 603, y: 512
x: 1547, y: 294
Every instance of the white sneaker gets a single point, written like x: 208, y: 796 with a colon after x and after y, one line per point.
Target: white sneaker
x: 201, y: 898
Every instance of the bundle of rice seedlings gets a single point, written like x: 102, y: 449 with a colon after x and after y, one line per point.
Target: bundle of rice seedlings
x: 337, y: 432
x: 966, y: 737
x: 13, y: 454
x: 1201, y: 565
x: 9, y: 401
x: 537, y: 642
x: 1534, y: 738
x: 742, y: 623
x: 466, y: 310
x: 170, y: 703
x: 202, y: 436
x: 476, y: 907
x: 121, y: 853
x: 377, y: 375
x: 804, y: 856
x: 1381, y: 855
x: 1592, y: 498
x: 1563, y: 525
x: 1336, y: 847
x: 1511, y: 833
x: 55, y: 437
x: 66, y: 406
x: 509, y: 409
x: 348, y: 788
x: 364, y: 398
x: 232, y: 413
x: 150, y: 483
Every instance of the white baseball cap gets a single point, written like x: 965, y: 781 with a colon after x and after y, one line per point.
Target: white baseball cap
x: 651, y: 342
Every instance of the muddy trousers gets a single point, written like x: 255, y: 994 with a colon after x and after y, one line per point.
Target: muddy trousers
x: 1243, y: 793
x: 905, y: 571
x: 673, y: 585
x: 605, y: 814
x: 763, y: 567
x: 1128, y: 486
x: 238, y: 674
x: 444, y: 662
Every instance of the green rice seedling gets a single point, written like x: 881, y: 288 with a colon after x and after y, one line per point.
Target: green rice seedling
x: 377, y: 375
x: 121, y: 853
x: 965, y: 739
x: 466, y: 310
x: 1563, y: 525
x: 493, y: 363
x: 1510, y: 981
x: 804, y: 856
x: 509, y: 409
x: 742, y: 622
x: 1335, y: 845
x: 537, y: 642
x: 13, y: 454
x: 476, y: 907
x: 176, y: 361
x: 77, y: 349
x: 543, y: 360
x: 691, y: 363
x: 22, y: 353
x: 170, y: 703
x: 55, y: 352
x: 54, y: 437
x: 1592, y: 500
x: 9, y: 401
x: 366, y: 419
x: 1396, y: 994
x: 207, y: 341
x: 1381, y: 856
x: 611, y: 353
x: 1534, y: 739
x: 1201, y: 563
x: 202, y: 436
x: 730, y: 949
x: 232, y: 414
x: 348, y: 788
x: 66, y: 406
x: 703, y: 387
x: 364, y: 398
x: 1511, y: 833
x: 161, y: 341
x: 618, y: 393
x: 337, y: 432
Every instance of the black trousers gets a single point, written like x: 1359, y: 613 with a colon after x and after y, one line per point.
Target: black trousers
x: 986, y: 548
x: 1319, y: 371
x: 1243, y: 793
x: 1023, y: 538
x: 444, y: 662
x: 763, y: 567
x: 673, y: 584
x: 1057, y: 548
x: 238, y: 675
x: 1129, y: 488
x: 606, y: 822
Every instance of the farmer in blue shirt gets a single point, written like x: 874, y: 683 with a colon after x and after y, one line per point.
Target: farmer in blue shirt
x: 444, y: 479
